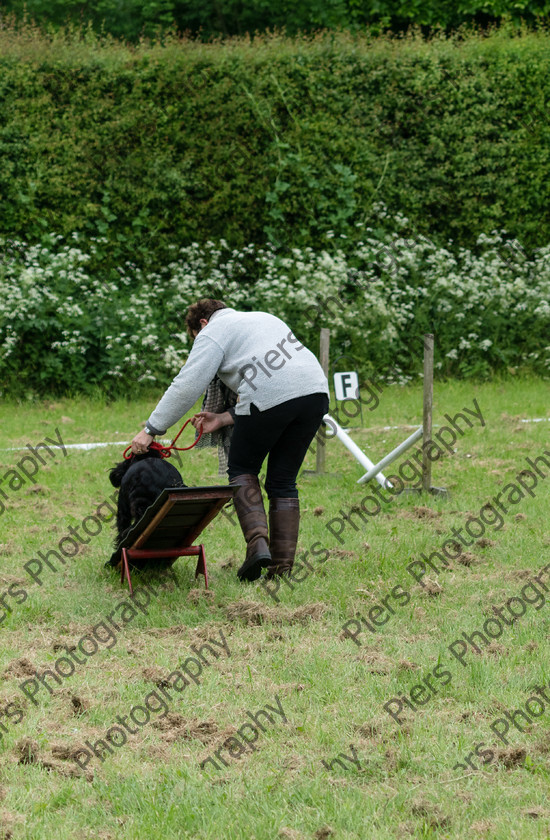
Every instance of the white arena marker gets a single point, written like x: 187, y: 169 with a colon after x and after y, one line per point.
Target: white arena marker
x: 395, y: 453
x: 346, y: 385
x: 354, y: 449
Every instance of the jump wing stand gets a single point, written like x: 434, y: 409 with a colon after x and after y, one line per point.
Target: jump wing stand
x: 424, y: 431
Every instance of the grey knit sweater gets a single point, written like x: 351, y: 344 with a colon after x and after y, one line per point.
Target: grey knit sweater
x: 253, y: 353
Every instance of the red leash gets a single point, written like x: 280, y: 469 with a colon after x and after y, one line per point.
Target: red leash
x: 166, y: 451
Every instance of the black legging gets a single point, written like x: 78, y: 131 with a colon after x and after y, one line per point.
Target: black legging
x: 285, y: 432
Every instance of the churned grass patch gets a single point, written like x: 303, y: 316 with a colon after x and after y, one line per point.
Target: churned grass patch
x: 287, y: 650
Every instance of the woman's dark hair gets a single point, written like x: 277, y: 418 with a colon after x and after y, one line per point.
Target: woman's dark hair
x: 203, y: 308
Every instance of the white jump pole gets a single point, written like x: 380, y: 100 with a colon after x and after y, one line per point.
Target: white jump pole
x: 395, y: 453
x: 355, y: 451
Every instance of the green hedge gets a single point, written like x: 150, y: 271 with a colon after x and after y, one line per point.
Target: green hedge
x: 280, y: 140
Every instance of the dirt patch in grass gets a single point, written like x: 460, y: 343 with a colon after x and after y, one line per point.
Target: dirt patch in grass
x: 379, y: 663
x: 28, y: 752
x: 174, y: 727
x: 324, y: 832
x: 405, y: 665
x: 381, y: 731
x: 431, y: 588
x: 431, y: 814
x: 511, y: 757
x: 423, y: 512
x: 230, y: 563
x: 7, y: 579
x: 68, y: 770
x: 60, y: 644
x: 19, y: 668
x: 286, y: 833
x: 287, y: 688
x: 175, y: 630
x: 417, y: 512
x: 36, y: 489
x: 485, y: 542
x: 367, y: 730
x: 193, y: 634
x: 79, y: 705
x: 536, y: 813
x: 207, y: 630
x: 197, y: 595
x: 376, y: 663
x: 482, y: 826
x: 543, y: 746
x: 64, y: 752
x: 252, y: 612
x: 467, y: 559
x: 156, y: 675
x: 520, y: 574
x: 494, y: 649
x: 8, y: 822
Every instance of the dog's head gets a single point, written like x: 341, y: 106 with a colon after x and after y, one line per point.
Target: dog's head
x: 117, y: 473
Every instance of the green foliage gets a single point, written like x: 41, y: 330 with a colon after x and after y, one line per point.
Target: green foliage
x: 129, y: 19
x: 65, y: 327
x: 133, y: 19
x: 284, y: 140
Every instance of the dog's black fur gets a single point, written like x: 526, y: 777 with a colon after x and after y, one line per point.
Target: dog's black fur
x: 141, y: 479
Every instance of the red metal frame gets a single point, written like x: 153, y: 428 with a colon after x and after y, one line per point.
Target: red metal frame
x: 150, y: 554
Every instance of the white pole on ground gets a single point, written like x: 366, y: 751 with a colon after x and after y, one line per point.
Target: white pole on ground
x: 427, y: 410
x: 354, y: 449
x: 395, y: 453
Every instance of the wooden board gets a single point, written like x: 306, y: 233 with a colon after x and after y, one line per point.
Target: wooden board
x: 175, y: 520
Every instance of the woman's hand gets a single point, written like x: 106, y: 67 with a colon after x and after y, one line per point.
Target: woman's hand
x: 211, y: 422
x: 141, y: 443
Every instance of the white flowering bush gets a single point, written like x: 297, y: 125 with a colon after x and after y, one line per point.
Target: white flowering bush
x: 65, y: 326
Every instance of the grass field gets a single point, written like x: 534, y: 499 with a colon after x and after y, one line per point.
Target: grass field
x: 277, y: 778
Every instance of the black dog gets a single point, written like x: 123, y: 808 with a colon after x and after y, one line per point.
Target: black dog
x: 141, y: 479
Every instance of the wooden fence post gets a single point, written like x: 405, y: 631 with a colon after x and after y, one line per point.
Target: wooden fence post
x: 427, y: 410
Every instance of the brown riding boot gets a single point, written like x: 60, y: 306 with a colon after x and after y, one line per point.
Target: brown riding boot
x: 284, y: 522
x: 250, y: 510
